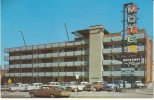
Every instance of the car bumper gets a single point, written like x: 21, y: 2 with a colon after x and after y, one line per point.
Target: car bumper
x: 65, y: 93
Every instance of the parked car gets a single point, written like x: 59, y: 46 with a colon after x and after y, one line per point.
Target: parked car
x: 49, y: 91
x: 109, y: 87
x: 34, y: 86
x: 84, y: 83
x: 119, y: 84
x: 63, y: 85
x: 54, y: 84
x: 87, y: 88
x: 137, y: 84
x: 19, y: 87
x: 97, y: 86
x: 5, y: 87
x: 74, y: 86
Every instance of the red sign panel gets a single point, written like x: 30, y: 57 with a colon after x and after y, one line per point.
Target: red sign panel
x: 132, y: 9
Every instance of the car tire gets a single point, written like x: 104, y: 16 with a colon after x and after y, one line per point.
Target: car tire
x: 115, y: 89
x: 94, y: 89
x: 32, y: 95
x: 18, y: 90
x: 52, y: 96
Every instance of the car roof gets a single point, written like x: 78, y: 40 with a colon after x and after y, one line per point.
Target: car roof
x: 48, y: 86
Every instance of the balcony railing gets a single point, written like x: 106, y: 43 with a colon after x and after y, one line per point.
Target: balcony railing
x: 118, y: 73
x: 54, y: 64
x: 119, y: 50
x: 43, y: 46
x: 47, y: 55
x: 119, y: 38
x: 116, y: 62
x: 43, y: 74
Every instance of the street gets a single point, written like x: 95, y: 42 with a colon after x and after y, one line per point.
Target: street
x: 128, y: 93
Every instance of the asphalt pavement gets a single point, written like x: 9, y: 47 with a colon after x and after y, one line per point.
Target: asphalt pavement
x: 128, y: 93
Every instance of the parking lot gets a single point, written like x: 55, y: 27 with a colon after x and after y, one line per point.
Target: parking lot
x: 128, y: 93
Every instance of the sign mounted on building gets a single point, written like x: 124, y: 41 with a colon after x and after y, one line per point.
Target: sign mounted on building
x: 132, y: 28
x: 132, y: 48
x: 132, y: 19
x: 131, y: 40
x: 127, y: 71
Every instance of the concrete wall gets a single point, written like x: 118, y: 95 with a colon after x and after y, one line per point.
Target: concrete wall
x: 95, y: 54
x: 149, y: 60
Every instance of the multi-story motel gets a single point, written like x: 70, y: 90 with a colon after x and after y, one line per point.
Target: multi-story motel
x: 91, y: 56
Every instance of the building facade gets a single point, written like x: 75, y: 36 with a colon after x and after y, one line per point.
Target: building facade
x: 91, y: 56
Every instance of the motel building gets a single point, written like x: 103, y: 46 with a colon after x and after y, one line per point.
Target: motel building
x: 92, y: 56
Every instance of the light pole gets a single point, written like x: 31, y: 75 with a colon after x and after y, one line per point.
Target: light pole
x: 112, y: 76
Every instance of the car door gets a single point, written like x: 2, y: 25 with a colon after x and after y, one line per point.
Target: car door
x: 43, y: 92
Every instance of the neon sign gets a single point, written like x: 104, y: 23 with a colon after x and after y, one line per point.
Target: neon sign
x: 132, y: 19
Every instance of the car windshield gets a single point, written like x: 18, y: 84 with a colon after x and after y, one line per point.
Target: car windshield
x: 16, y: 85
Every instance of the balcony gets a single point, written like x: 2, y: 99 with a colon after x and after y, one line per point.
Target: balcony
x: 29, y: 57
x: 28, y: 74
x: 69, y: 44
x: 62, y: 44
x: 36, y: 47
x: 17, y: 49
x: 54, y: 45
x: 117, y: 62
x: 7, y: 50
x: 119, y: 38
x: 16, y: 57
x: 42, y: 46
x: 28, y: 65
x: 139, y: 73
x: 118, y: 73
x: 54, y: 64
x: 43, y: 74
x: 111, y: 62
x: 69, y: 53
x: 41, y: 55
x: 48, y: 64
x: 119, y: 50
x: 17, y: 74
x: 54, y: 54
x: 7, y: 58
x: 48, y: 45
x: 6, y: 66
x: 48, y: 55
x: 62, y: 54
x: 78, y: 42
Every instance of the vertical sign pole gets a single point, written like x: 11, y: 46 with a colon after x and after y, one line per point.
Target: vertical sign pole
x: 123, y: 38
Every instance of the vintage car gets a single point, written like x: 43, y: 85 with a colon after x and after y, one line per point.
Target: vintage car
x: 34, y: 86
x: 18, y: 87
x: 109, y: 86
x: 137, y: 84
x: 97, y: 86
x: 74, y: 86
x: 87, y: 88
x: 49, y: 91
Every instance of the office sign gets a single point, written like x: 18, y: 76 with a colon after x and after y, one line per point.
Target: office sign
x: 127, y: 71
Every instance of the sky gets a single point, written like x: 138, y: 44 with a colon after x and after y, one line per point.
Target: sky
x: 42, y: 21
